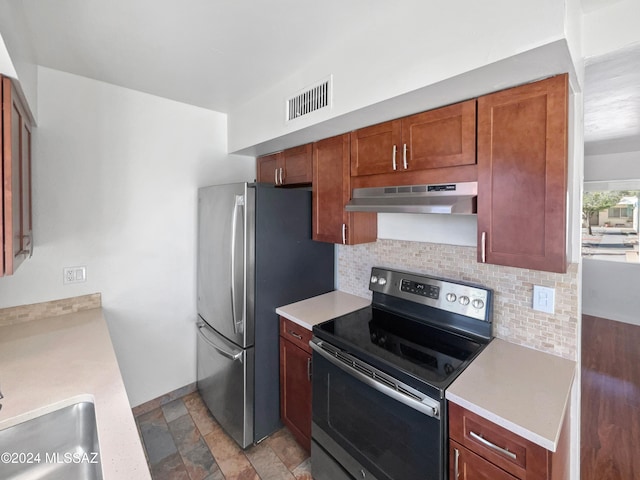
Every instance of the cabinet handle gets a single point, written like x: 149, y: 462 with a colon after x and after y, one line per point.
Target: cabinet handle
x: 395, y: 149
x: 492, y: 446
x: 483, y: 247
x: 281, y: 182
x: 275, y: 176
x: 309, y: 369
x: 456, y: 468
x: 404, y: 156
x: 29, y: 252
x: 291, y: 332
x: 344, y: 233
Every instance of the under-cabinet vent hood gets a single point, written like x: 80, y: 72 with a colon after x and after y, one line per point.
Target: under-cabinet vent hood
x: 446, y: 198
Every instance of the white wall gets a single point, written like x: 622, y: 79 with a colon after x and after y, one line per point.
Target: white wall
x: 399, y: 47
x: 17, y: 59
x: 115, y: 180
x: 611, y: 28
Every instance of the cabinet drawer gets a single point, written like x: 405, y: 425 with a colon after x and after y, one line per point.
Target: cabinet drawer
x: 296, y: 334
x: 466, y: 465
x: 518, y: 456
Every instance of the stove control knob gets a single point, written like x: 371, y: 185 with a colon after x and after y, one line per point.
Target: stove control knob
x: 382, y: 281
x: 464, y: 300
x: 451, y: 297
x: 477, y: 303
x: 374, y: 279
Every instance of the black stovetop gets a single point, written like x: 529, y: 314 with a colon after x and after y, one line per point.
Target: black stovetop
x: 420, y: 354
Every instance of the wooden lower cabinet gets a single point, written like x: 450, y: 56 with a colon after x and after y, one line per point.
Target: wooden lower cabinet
x: 295, y: 381
x: 484, y: 450
x: 466, y: 465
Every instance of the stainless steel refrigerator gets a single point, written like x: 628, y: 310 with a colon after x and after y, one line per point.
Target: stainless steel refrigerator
x: 255, y: 253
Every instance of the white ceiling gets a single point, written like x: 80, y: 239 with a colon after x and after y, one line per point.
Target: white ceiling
x: 218, y: 54
x: 210, y: 53
x: 612, y: 102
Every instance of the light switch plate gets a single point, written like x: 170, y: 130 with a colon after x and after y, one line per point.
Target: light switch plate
x: 544, y: 299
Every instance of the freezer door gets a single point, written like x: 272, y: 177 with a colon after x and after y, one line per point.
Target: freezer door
x: 222, y: 260
x: 225, y: 382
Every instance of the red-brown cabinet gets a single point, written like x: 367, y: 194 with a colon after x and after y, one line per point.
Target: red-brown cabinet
x: 16, y: 227
x: 444, y: 137
x: 331, y: 190
x: 295, y: 380
x: 522, y: 176
x: 289, y: 167
x: 480, y: 449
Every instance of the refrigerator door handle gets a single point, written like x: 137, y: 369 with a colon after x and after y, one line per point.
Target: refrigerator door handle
x: 239, y: 201
x: 218, y: 348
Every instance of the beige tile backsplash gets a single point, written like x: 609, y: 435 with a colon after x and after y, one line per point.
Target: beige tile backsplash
x: 514, y: 319
x: 54, y: 308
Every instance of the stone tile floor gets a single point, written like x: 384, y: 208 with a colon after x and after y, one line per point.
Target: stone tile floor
x: 183, y: 441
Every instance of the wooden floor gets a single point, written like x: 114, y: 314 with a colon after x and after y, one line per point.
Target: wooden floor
x: 610, y: 426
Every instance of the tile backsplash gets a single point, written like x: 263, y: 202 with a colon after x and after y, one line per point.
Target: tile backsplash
x: 514, y: 319
x: 54, y: 308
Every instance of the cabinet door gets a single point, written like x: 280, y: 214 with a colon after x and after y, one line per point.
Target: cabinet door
x: 16, y: 153
x: 374, y: 149
x: 444, y: 137
x: 466, y: 465
x: 267, y: 168
x: 522, y: 176
x: 297, y: 163
x: 295, y: 391
x: 331, y: 192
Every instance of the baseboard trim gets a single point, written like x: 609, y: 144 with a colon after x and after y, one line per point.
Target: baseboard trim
x: 163, y: 399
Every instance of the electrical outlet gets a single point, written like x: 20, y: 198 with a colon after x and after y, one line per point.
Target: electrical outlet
x: 74, y: 274
x: 544, y: 299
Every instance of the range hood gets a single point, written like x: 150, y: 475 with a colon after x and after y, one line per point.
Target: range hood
x: 444, y: 198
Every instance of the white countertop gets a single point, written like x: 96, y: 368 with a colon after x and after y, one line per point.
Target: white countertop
x: 518, y: 388
x: 52, y: 363
x: 315, y: 310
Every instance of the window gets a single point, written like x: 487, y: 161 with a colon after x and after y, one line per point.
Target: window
x: 610, y: 222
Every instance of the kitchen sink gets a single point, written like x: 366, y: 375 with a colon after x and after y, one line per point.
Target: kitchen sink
x: 61, y: 445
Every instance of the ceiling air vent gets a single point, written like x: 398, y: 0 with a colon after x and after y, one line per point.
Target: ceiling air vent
x: 310, y: 99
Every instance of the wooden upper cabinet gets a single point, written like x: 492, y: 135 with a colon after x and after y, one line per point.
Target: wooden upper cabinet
x: 522, y: 176
x: 297, y: 163
x: 374, y: 149
x: 267, y: 168
x: 444, y: 137
x: 332, y: 191
x: 289, y: 167
x: 16, y: 222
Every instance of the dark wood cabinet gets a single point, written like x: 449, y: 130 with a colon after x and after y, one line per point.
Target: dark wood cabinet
x: 466, y: 465
x: 295, y: 380
x: 267, y: 168
x: 331, y: 188
x: 289, y: 167
x: 522, y: 176
x: 16, y: 227
x: 480, y: 449
x: 444, y: 137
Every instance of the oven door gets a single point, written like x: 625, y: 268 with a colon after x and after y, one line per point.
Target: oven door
x: 370, y: 427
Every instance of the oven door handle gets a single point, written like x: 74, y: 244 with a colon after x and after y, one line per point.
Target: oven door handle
x: 427, y: 406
